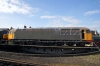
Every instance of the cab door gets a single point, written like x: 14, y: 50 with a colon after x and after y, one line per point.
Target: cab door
x: 82, y: 34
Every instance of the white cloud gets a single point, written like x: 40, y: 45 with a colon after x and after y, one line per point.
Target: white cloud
x: 62, y: 21
x: 58, y: 23
x: 55, y: 23
x: 2, y: 17
x: 15, y: 2
x: 71, y: 20
x: 91, y: 12
x: 20, y: 25
x: 16, y: 6
x: 31, y: 15
x: 95, y: 25
x: 48, y: 17
x: 67, y: 19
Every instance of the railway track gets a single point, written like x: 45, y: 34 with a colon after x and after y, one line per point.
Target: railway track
x: 8, y: 61
x: 19, y: 59
x: 23, y: 59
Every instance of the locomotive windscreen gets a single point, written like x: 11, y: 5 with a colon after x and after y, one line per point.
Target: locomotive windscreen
x: 5, y: 31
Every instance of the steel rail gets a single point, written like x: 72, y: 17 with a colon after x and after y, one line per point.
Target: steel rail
x: 19, y: 61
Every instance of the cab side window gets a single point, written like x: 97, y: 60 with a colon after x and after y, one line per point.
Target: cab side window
x: 87, y: 31
x: 5, y: 32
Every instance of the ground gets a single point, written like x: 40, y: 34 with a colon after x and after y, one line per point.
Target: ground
x: 86, y: 60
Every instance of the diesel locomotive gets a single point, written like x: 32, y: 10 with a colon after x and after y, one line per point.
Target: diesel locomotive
x: 71, y: 36
x: 96, y: 37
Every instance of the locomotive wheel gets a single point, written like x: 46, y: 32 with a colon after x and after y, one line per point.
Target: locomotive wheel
x: 59, y: 44
x: 25, y: 42
x: 80, y: 44
x: 77, y: 44
x: 50, y: 44
x: 70, y: 44
x: 45, y: 43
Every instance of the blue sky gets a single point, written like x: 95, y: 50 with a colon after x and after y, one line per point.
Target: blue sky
x: 50, y: 13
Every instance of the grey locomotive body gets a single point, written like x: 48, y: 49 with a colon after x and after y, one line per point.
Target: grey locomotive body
x: 49, y: 34
x: 52, y: 36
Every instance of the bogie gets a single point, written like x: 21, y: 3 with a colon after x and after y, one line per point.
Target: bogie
x: 70, y: 43
x: 80, y: 44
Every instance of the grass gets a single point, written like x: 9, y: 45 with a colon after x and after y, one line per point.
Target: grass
x: 10, y: 43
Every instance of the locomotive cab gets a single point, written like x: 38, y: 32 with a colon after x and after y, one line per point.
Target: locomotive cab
x: 86, y: 35
x: 8, y: 34
x: 5, y: 34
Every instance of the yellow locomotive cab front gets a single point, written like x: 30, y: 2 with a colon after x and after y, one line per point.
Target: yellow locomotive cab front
x: 8, y: 35
x: 5, y: 36
x: 88, y: 35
